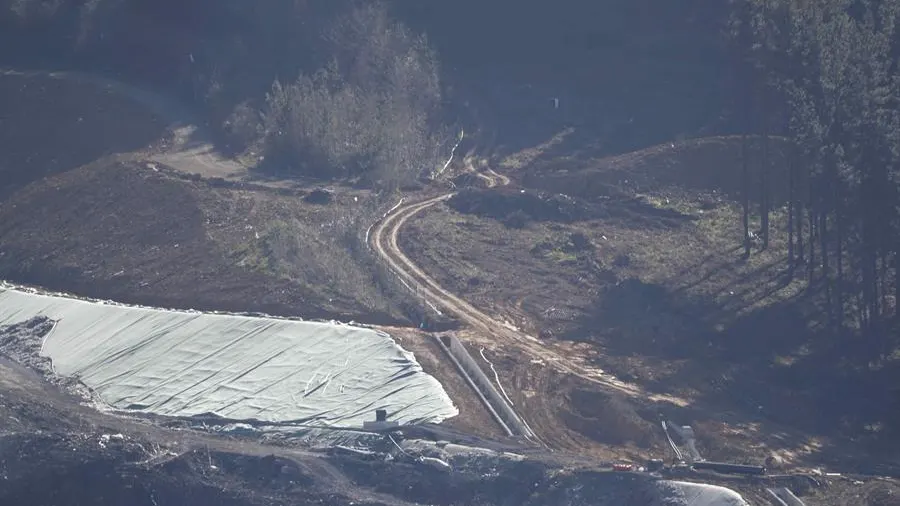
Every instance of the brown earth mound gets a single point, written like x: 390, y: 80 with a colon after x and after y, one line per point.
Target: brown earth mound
x: 82, y: 211
x: 118, y: 230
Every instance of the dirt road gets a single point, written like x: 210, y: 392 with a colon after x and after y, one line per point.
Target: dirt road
x: 488, y: 331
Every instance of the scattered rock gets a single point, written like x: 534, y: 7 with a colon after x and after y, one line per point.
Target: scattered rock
x: 775, y: 462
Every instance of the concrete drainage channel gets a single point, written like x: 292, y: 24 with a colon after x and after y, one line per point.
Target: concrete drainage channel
x: 784, y: 497
x: 498, y: 407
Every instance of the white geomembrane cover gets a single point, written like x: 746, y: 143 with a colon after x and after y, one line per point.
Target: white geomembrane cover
x: 239, y: 367
x: 680, y: 493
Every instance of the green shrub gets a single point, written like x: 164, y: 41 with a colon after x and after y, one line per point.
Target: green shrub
x: 372, y: 113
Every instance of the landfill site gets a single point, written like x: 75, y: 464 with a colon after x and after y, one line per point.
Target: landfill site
x: 121, y: 402
x: 342, y: 394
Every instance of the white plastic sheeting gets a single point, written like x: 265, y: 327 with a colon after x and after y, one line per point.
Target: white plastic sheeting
x: 698, y: 494
x: 180, y: 363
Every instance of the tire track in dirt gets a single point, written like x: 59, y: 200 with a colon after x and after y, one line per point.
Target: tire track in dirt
x: 193, y: 152
x: 487, y: 330
x: 385, y: 241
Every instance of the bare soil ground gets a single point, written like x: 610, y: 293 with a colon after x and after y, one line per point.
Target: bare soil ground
x: 109, y: 220
x: 638, y: 268
x: 86, y: 208
x: 105, y: 216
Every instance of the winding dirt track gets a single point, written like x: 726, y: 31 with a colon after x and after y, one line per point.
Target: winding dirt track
x: 488, y: 331
x: 192, y: 152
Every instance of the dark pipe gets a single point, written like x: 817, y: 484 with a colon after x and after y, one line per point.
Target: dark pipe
x: 721, y: 467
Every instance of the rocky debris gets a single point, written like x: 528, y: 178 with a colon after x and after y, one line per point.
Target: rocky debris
x: 775, y: 462
x: 111, y: 469
x: 445, y: 474
x: 22, y: 343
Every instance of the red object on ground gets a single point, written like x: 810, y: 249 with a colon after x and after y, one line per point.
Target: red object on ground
x: 623, y: 467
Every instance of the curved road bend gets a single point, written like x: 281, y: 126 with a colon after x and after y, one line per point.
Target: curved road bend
x: 201, y: 157
x: 384, y: 240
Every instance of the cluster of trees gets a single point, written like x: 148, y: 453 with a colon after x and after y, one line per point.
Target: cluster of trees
x: 374, y: 111
x: 356, y: 94
x: 826, y: 75
x: 223, y: 55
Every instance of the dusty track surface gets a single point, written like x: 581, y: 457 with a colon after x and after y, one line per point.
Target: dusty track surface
x: 489, y: 333
x: 538, y: 376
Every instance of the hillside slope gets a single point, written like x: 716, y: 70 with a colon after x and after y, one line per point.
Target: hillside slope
x: 638, y: 269
x: 84, y: 210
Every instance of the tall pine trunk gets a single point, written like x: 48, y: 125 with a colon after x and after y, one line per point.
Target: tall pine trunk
x: 764, y: 186
x: 870, y: 277
x: 867, y: 280
x: 839, y: 260
x: 897, y: 283
x: 826, y: 274
x: 812, y: 211
x: 882, y: 280
x: 801, y: 247
x: 745, y: 195
x: 790, y: 218
x: 801, y: 208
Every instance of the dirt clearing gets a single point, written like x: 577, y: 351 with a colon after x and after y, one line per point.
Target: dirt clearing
x: 645, y: 279
x: 85, y: 209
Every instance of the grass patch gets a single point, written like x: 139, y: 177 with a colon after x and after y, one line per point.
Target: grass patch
x: 560, y: 256
x: 272, y: 251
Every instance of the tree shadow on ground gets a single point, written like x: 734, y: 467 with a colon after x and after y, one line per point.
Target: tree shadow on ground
x: 770, y: 364
x: 501, y: 204
x: 49, y: 126
x: 711, y: 166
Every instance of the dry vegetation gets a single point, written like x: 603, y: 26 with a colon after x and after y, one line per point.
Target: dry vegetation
x: 373, y: 113
x: 643, y: 261
x: 637, y: 266
x: 115, y: 226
